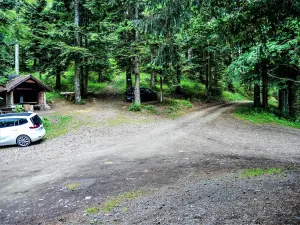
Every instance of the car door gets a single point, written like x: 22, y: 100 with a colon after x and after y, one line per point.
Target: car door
x: 8, y: 131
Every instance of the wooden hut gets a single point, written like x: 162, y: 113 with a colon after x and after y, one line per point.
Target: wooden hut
x: 24, y: 90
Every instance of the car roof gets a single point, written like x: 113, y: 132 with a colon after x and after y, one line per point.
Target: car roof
x: 24, y: 114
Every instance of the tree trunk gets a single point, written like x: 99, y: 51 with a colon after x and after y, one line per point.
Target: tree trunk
x: 58, y: 80
x: 257, y: 102
x: 292, y: 98
x: 283, y: 101
x: 77, y: 57
x: 152, y: 78
x: 82, y: 78
x: 178, y: 77
x: 137, y: 94
x: 128, y: 78
x: 190, y: 55
x: 208, y: 76
x: 265, y: 84
x: 100, y: 75
x: 161, y: 96
x: 17, y: 67
x: 86, y: 71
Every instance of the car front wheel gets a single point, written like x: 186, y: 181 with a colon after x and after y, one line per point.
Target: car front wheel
x: 23, y: 141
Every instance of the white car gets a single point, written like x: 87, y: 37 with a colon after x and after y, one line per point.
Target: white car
x: 21, y: 129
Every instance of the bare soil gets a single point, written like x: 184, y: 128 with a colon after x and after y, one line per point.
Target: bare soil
x: 188, y: 168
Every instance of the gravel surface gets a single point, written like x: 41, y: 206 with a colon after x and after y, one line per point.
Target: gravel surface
x: 222, y: 200
x: 188, y: 168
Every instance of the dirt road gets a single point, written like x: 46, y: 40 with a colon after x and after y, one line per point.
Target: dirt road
x: 190, y: 167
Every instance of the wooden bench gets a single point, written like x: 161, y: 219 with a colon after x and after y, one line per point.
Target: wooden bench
x: 69, y: 96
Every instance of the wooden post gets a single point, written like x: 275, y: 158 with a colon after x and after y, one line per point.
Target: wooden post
x: 44, y: 98
x: 11, y: 99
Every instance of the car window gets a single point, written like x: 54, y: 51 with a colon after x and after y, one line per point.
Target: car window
x: 22, y: 121
x: 9, y: 122
x: 36, y: 120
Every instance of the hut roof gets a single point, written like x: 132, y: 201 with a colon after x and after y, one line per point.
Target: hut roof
x: 20, y: 79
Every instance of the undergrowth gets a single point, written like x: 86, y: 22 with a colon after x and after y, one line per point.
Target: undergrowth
x: 134, y: 107
x: 259, y: 116
x: 229, y: 96
x: 177, y: 107
x: 52, y: 96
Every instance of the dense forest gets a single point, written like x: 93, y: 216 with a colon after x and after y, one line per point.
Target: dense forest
x: 191, y: 48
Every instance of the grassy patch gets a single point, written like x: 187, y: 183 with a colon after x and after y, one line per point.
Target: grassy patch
x: 112, y: 203
x: 96, y: 87
x: 72, y: 186
x: 229, y: 96
x: 259, y: 116
x: 150, y: 108
x: 91, y: 210
x: 192, y: 89
x: 52, y: 96
x: 260, y: 172
x: 56, y: 125
x: 178, y: 107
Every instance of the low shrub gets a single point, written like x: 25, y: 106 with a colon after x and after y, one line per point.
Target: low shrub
x: 150, y: 108
x: 134, y: 107
x: 192, y: 89
x: 18, y: 109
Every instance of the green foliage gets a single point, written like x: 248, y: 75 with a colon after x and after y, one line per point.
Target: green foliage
x: 260, y: 172
x: 150, y: 108
x: 96, y: 87
x: 177, y: 107
x: 91, y: 210
x: 229, y: 96
x: 18, y: 109
x: 134, y: 107
x: 192, y: 89
x: 3, y: 80
x: 203, y: 47
x: 259, y: 116
x: 52, y: 96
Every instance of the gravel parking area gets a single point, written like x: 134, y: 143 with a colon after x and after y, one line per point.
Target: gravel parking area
x: 188, y: 170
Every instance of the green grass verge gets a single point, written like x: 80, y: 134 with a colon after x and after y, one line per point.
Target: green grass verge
x: 259, y: 116
x: 260, y: 172
x: 56, y: 125
x: 229, y: 96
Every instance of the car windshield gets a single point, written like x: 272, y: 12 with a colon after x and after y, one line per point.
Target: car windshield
x: 36, y: 120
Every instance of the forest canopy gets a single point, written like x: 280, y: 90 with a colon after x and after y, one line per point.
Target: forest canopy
x: 194, y: 48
